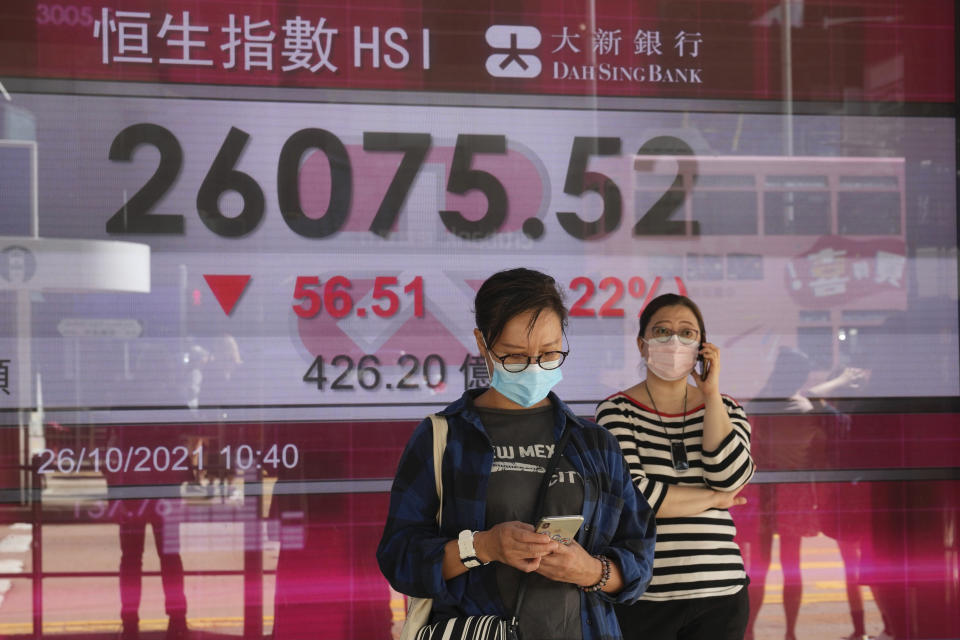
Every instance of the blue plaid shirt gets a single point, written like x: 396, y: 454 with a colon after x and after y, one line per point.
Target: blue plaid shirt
x: 618, y: 521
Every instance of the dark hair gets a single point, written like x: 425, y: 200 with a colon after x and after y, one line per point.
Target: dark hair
x: 507, y: 294
x: 671, y: 300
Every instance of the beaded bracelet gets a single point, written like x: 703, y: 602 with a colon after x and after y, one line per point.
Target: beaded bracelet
x: 605, y: 561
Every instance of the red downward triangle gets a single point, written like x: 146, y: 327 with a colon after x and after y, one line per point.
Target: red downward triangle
x: 227, y: 289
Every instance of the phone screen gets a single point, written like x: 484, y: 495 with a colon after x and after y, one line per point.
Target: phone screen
x: 560, y: 528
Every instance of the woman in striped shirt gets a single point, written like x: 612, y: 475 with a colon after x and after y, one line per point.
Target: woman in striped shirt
x: 688, y: 449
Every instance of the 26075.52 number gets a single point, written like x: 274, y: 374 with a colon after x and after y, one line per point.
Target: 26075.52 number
x: 136, y: 216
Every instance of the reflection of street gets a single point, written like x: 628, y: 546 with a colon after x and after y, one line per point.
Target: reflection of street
x: 242, y: 550
x: 77, y: 606
x: 15, y: 543
x: 824, y: 612
x: 91, y: 605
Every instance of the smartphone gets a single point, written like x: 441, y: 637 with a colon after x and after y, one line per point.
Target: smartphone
x: 560, y: 528
x: 704, y: 370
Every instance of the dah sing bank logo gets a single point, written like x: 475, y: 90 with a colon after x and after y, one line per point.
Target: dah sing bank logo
x: 605, y: 54
x: 511, y: 56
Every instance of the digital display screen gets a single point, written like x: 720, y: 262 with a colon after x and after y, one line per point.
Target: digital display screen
x: 337, y: 267
x: 261, y: 226
x: 322, y: 249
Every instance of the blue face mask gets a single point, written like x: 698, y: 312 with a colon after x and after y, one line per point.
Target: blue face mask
x: 527, y: 387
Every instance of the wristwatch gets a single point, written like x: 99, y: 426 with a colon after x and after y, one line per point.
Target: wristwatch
x: 468, y: 555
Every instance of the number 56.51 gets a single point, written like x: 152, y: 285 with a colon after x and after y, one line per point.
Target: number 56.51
x: 339, y: 303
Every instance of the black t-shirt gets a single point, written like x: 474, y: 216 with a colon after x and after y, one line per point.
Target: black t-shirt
x: 523, y: 444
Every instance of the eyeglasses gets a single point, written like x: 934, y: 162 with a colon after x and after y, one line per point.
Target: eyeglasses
x: 663, y: 334
x: 517, y: 362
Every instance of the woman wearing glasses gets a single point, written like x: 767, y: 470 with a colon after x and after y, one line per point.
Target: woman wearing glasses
x: 688, y: 449
x: 499, y: 443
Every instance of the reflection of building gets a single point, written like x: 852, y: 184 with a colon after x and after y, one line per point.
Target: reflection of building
x: 55, y: 265
x: 30, y: 265
x: 810, y: 246
x: 17, y: 265
x: 5, y: 376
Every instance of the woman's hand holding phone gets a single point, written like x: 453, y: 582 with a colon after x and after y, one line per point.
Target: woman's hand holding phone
x: 515, y: 544
x: 570, y: 563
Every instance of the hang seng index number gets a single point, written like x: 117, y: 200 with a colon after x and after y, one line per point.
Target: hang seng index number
x: 137, y: 216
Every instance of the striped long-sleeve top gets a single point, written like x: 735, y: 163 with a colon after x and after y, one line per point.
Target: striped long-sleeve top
x: 695, y: 556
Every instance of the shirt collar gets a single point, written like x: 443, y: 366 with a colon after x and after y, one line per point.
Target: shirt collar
x: 463, y: 408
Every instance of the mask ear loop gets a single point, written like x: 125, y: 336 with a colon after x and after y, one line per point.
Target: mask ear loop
x: 642, y: 365
x: 488, y: 363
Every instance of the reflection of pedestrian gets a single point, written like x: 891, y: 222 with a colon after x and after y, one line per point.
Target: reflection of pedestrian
x: 210, y: 377
x: 210, y: 370
x: 166, y: 538
x: 850, y: 530
x: 224, y: 360
x: 163, y: 515
x: 133, y: 516
x: 788, y: 510
x: 866, y: 517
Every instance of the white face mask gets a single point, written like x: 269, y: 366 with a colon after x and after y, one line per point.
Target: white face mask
x: 671, y: 360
